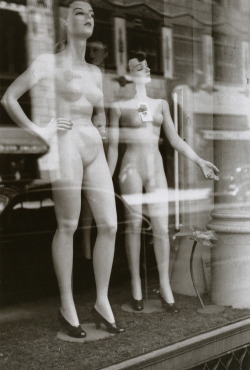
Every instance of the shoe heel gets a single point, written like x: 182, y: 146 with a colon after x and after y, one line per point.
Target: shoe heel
x: 70, y: 330
x: 111, y: 327
x: 169, y: 307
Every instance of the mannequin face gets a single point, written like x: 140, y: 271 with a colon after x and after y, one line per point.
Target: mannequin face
x: 97, y: 53
x: 139, y: 70
x: 80, y: 20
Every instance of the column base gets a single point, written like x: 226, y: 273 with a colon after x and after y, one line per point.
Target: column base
x: 230, y: 258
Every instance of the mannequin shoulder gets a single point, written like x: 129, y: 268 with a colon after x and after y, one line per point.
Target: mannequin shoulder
x: 164, y: 105
x: 43, y: 66
x: 122, y: 104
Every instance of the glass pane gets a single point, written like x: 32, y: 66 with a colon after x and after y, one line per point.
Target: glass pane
x: 115, y: 118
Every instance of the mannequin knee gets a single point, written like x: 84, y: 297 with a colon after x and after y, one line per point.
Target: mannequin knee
x: 67, y: 225
x: 134, y: 227
x: 161, y: 229
x: 108, y: 227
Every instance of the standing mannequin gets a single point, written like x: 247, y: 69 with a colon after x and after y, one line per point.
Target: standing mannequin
x: 82, y: 161
x: 138, y: 121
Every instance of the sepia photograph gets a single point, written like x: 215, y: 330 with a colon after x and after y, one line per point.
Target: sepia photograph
x: 125, y: 184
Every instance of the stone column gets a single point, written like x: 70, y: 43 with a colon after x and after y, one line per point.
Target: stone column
x: 230, y: 259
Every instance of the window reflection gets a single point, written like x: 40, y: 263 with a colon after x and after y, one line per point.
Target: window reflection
x: 198, y: 54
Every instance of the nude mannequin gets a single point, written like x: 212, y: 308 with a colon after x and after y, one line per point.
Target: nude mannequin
x: 138, y: 121
x: 82, y: 161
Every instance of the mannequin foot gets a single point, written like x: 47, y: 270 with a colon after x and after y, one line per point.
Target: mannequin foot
x: 137, y: 304
x: 169, y: 307
x: 105, y: 310
x: 70, y: 330
x: 111, y: 326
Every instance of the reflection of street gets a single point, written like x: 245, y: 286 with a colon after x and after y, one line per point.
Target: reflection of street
x: 200, y: 199
x: 226, y: 134
x: 234, y: 186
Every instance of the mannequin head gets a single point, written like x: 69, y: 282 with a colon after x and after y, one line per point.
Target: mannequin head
x: 97, y: 53
x: 79, y: 21
x: 138, y: 68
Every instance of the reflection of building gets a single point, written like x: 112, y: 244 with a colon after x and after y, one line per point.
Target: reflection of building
x: 181, y: 39
x: 199, y: 49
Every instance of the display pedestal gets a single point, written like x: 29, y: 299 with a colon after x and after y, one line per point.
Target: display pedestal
x: 150, y: 306
x: 211, y: 309
x: 92, y: 334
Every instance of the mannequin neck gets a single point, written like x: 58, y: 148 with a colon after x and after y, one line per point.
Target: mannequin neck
x: 76, y: 50
x: 141, y: 93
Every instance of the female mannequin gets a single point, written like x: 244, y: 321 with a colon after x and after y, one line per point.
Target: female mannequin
x: 80, y: 108
x: 140, y: 119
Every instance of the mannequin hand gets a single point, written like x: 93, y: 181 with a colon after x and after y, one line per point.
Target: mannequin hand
x: 208, y: 169
x: 48, y: 131
x: 64, y: 124
x: 102, y: 131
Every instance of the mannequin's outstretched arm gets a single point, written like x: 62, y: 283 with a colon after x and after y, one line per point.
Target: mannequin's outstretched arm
x: 112, y: 156
x: 182, y: 147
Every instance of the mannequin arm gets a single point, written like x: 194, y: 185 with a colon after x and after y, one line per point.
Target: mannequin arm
x: 182, y: 147
x: 41, y: 68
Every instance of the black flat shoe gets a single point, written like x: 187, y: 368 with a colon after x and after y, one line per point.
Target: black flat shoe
x: 137, y: 305
x: 70, y: 330
x: 111, y: 327
x: 169, y: 307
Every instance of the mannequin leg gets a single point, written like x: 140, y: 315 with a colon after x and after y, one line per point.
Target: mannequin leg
x: 86, y: 224
x: 133, y: 185
x: 159, y: 220
x: 67, y: 203
x: 67, y: 207
x: 100, y: 194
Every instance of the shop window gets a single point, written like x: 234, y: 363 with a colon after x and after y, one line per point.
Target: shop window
x: 12, y: 43
x: 143, y: 35
x: 187, y: 48
x: 103, y: 32
x: 227, y: 59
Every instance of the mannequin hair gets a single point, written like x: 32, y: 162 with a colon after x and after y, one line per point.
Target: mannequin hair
x: 140, y: 55
x: 72, y: 1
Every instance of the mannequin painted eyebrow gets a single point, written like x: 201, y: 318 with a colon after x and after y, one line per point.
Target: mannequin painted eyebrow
x: 140, y: 64
x: 81, y: 9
